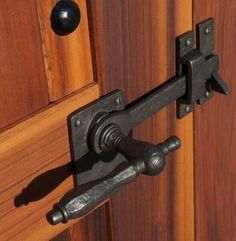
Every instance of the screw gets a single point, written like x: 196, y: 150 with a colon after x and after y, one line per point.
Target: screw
x: 188, y: 42
x: 118, y: 101
x: 78, y: 122
x: 206, y: 31
x: 207, y: 94
x: 187, y: 108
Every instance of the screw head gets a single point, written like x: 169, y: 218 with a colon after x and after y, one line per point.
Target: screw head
x: 78, y: 122
x: 118, y: 101
x: 206, y: 31
x: 187, y: 108
x: 188, y: 42
x: 207, y: 94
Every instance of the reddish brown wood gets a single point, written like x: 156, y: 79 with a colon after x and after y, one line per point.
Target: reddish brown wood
x: 34, y: 160
x: 215, y: 135
x: 133, y: 50
x: 40, y: 143
x: 23, y: 81
x: 91, y: 228
x: 67, y: 59
x: 133, y: 47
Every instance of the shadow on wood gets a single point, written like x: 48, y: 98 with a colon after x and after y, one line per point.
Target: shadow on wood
x: 89, y: 168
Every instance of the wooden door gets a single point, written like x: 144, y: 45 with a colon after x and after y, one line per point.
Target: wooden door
x: 215, y: 137
x: 133, y: 45
x: 45, y: 77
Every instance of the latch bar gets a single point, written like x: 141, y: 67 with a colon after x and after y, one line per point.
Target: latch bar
x: 155, y: 100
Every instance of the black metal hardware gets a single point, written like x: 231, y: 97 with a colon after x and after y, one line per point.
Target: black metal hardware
x: 147, y: 159
x: 199, y: 66
x: 65, y: 17
x: 104, y: 126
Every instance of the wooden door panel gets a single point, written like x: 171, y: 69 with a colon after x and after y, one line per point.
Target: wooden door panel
x: 67, y: 58
x: 37, y: 66
x: 33, y: 156
x: 134, y: 49
x: 215, y: 136
x: 23, y: 81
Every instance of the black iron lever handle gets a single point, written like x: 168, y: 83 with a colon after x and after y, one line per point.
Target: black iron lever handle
x: 148, y: 159
x: 85, y: 198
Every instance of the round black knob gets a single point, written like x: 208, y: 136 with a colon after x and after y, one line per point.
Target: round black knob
x: 65, y: 17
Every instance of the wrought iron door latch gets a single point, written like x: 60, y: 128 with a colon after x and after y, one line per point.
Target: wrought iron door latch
x: 100, y: 131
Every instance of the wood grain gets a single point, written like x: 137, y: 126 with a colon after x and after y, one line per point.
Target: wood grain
x: 183, y: 174
x: 36, y: 153
x: 67, y: 59
x: 91, y: 228
x: 133, y: 46
x: 215, y: 135
x: 84, y: 232
x: 23, y: 81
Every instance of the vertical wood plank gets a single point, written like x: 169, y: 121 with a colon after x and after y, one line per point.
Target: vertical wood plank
x: 23, y: 81
x: 183, y: 178
x: 67, y: 59
x: 215, y: 134
x: 63, y: 236
x: 91, y: 228
x: 133, y: 46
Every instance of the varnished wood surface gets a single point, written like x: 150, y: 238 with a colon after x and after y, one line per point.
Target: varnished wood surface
x: 33, y: 155
x: 23, y: 82
x: 133, y: 47
x: 67, y: 58
x: 91, y: 228
x: 183, y: 175
x: 215, y: 135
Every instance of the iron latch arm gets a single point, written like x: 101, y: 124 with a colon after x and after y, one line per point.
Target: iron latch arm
x: 157, y: 99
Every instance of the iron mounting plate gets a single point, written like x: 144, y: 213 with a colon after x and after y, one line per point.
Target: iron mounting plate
x: 182, y: 48
x: 79, y: 122
x: 184, y: 44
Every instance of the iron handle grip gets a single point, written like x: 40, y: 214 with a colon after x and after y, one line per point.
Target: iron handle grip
x: 85, y: 198
x: 148, y: 159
